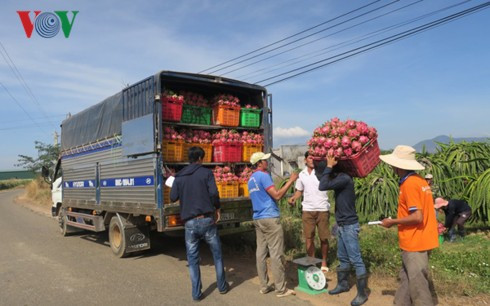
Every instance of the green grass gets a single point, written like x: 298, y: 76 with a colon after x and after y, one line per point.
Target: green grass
x: 460, y: 268
x: 12, y: 183
x: 463, y: 266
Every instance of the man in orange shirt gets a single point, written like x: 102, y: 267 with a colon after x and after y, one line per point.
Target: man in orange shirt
x: 417, y: 227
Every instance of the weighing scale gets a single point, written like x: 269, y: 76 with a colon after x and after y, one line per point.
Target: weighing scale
x: 311, y: 279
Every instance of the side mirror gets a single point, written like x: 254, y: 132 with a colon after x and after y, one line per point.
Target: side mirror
x: 45, y: 172
x: 45, y: 175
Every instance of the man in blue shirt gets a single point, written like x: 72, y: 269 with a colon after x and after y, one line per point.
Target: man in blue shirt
x: 270, y: 237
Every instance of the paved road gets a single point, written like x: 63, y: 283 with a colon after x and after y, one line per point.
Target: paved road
x: 40, y: 267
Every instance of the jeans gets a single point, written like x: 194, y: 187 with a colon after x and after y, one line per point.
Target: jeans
x: 348, y: 250
x: 459, y: 220
x: 195, y: 231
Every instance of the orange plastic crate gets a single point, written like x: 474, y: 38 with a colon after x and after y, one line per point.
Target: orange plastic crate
x: 248, y: 150
x: 207, y: 147
x: 226, y: 115
x: 228, y: 190
x: 166, y: 195
x: 243, y: 190
x: 172, y: 151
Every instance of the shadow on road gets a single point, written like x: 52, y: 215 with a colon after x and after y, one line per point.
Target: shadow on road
x: 238, y: 254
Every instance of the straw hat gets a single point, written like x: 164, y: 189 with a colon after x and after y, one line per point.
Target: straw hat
x: 259, y: 156
x: 403, y: 157
x: 428, y: 176
x: 440, y: 202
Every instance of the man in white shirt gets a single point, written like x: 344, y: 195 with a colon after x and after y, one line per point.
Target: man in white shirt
x: 315, y: 210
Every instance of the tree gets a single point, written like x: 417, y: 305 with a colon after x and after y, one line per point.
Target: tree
x: 47, y: 155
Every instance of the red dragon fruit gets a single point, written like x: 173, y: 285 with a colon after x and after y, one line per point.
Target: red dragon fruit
x: 363, y: 140
x: 342, y: 139
x: 356, y: 146
x: 345, y: 142
x: 328, y: 143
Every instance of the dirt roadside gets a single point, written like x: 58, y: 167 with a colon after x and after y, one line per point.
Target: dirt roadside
x: 382, y: 290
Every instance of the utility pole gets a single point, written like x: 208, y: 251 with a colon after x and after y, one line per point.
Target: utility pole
x: 55, y: 135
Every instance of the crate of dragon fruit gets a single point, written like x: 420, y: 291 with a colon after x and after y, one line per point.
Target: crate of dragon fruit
x: 226, y: 181
x: 196, y: 109
x: 227, y: 146
x: 197, y: 138
x: 226, y: 110
x: 172, y: 106
x: 250, y: 116
x: 353, y: 143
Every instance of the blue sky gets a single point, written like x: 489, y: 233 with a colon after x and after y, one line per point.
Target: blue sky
x: 427, y: 85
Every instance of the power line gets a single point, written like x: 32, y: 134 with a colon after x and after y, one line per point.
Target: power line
x: 35, y: 118
x: 355, y: 40
x: 20, y: 78
x: 286, y: 38
x: 309, y: 35
x: 323, y: 37
x: 23, y: 109
x: 29, y: 126
x: 379, y: 43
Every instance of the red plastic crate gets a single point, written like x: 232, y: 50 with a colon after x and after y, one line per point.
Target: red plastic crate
x: 362, y: 163
x: 227, y: 153
x: 172, y: 111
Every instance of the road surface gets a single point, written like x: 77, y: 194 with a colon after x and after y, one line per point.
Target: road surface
x: 40, y: 267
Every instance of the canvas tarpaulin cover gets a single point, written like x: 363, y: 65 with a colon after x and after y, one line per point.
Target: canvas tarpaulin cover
x: 98, y: 122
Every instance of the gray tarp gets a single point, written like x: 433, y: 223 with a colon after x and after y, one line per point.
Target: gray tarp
x: 97, y: 122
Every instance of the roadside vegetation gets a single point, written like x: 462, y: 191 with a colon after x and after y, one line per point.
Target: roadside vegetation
x: 461, y: 171
x: 38, y: 191
x: 13, y: 183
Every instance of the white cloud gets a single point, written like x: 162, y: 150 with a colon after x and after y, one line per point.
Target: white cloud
x: 296, y: 131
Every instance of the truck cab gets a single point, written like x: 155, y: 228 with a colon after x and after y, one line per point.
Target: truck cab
x: 56, y: 192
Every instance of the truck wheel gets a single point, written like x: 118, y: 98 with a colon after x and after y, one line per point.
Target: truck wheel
x: 117, y: 237
x: 65, y: 229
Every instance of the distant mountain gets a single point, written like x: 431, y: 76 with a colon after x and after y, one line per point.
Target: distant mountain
x: 430, y: 144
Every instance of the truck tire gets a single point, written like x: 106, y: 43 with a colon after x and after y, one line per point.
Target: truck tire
x: 65, y: 229
x: 117, y: 237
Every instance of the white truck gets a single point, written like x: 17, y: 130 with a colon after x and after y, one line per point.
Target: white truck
x: 114, y: 167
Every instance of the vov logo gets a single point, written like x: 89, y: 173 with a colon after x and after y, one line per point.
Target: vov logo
x: 47, y: 24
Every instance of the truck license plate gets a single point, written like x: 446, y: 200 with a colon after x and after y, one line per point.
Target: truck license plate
x: 227, y: 216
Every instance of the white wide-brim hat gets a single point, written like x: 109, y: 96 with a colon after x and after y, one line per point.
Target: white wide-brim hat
x: 403, y: 157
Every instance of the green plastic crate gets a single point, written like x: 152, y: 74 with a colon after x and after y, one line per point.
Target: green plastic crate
x: 196, y: 114
x: 250, y: 117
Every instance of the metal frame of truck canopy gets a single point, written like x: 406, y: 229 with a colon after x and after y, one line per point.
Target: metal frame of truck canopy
x: 109, y: 165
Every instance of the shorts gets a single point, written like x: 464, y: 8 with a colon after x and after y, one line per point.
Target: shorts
x: 316, y: 219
